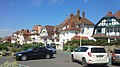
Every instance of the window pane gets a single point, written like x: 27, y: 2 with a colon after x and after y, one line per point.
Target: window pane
x: 98, y: 50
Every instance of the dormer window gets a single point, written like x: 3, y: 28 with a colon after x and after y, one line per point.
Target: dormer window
x: 64, y: 28
x: 68, y: 26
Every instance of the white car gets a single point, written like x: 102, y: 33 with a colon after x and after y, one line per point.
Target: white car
x: 90, y: 55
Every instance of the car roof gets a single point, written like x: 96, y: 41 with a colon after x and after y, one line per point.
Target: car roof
x: 117, y: 48
x: 93, y: 46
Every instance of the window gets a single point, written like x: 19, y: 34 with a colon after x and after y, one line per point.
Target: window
x: 117, y: 51
x: 110, y: 29
x: 76, y: 33
x: 82, y: 49
x: 99, y: 30
x: 98, y: 50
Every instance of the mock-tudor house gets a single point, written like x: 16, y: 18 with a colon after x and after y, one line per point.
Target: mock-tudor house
x: 74, y: 28
x: 108, y: 27
x: 46, y: 34
x: 34, y: 34
x: 20, y: 37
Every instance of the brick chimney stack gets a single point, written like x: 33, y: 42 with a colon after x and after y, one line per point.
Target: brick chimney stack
x: 109, y: 12
x: 78, y: 14
x: 83, y: 14
x: 71, y: 15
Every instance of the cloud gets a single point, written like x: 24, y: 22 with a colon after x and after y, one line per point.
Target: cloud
x: 37, y: 2
x: 5, y: 32
x: 47, y: 2
x: 55, y: 2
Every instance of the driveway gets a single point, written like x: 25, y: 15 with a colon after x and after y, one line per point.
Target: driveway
x: 61, y: 59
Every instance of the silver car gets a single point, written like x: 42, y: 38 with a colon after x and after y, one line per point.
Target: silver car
x: 116, y: 56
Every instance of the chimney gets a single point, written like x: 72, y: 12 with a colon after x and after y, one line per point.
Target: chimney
x: 109, y: 12
x: 83, y: 14
x: 71, y: 15
x: 78, y: 14
x: 66, y: 16
x: 22, y: 29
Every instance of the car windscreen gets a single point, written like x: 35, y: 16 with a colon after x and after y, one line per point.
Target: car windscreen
x: 98, y: 50
x: 117, y: 51
x: 29, y: 49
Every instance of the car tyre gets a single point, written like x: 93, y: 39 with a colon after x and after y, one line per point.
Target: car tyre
x: 84, y: 63
x: 72, y: 58
x: 24, y: 58
x: 47, y: 56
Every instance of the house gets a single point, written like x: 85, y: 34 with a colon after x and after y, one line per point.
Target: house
x: 34, y: 34
x: 20, y: 37
x: 46, y: 34
x: 108, y: 27
x: 75, y: 27
x: 14, y: 37
x: 7, y: 39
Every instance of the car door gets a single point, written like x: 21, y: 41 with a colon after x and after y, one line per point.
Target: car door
x: 42, y: 52
x: 80, y: 53
x: 35, y: 53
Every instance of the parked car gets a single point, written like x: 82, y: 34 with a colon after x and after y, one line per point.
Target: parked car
x: 34, y: 52
x: 51, y: 48
x: 90, y: 55
x: 116, y: 56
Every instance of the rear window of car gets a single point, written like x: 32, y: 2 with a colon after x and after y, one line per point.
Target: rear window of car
x: 117, y: 51
x: 98, y: 50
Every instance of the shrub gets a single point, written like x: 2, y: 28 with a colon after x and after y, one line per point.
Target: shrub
x: 26, y: 46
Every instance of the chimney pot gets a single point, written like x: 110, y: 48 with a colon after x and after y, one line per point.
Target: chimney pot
x: 71, y: 15
x: 83, y: 14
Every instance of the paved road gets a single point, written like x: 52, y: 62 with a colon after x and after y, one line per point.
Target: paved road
x: 62, y: 59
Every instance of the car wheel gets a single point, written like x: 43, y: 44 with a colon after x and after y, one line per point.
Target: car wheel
x: 72, y: 58
x: 47, y: 56
x: 84, y: 63
x: 24, y: 58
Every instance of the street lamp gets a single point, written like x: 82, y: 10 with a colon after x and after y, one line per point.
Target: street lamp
x: 81, y: 26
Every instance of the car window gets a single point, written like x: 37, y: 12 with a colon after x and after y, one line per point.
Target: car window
x: 117, y: 51
x: 42, y: 49
x: 98, y: 50
x: 82, y: 49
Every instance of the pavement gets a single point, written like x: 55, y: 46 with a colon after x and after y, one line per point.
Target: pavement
x: 61, y: 59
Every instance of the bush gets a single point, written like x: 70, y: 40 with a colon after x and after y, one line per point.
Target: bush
x: 26, y: 46
x: 7, y: 64
x: 16, y: 49
x: 65, y: 48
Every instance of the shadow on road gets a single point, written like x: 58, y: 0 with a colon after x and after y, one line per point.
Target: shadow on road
x: 117, y: 64
x: 91, y: 65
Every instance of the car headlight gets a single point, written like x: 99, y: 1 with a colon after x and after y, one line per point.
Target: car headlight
x: 19, y: 54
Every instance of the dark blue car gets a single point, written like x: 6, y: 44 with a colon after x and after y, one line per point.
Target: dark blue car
x: 34, y: 52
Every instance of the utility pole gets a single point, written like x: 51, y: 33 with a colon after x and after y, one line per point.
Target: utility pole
x: 81, y: 29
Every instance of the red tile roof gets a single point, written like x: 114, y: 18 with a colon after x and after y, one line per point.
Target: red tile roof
x: 78, y: 38
x: 75, y: 20
x: 113, y: 37
x: 118, y: 14
x: 37, y: 28
x: 50, y: 29
x: 109, y: 14
x: 99, y: 35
